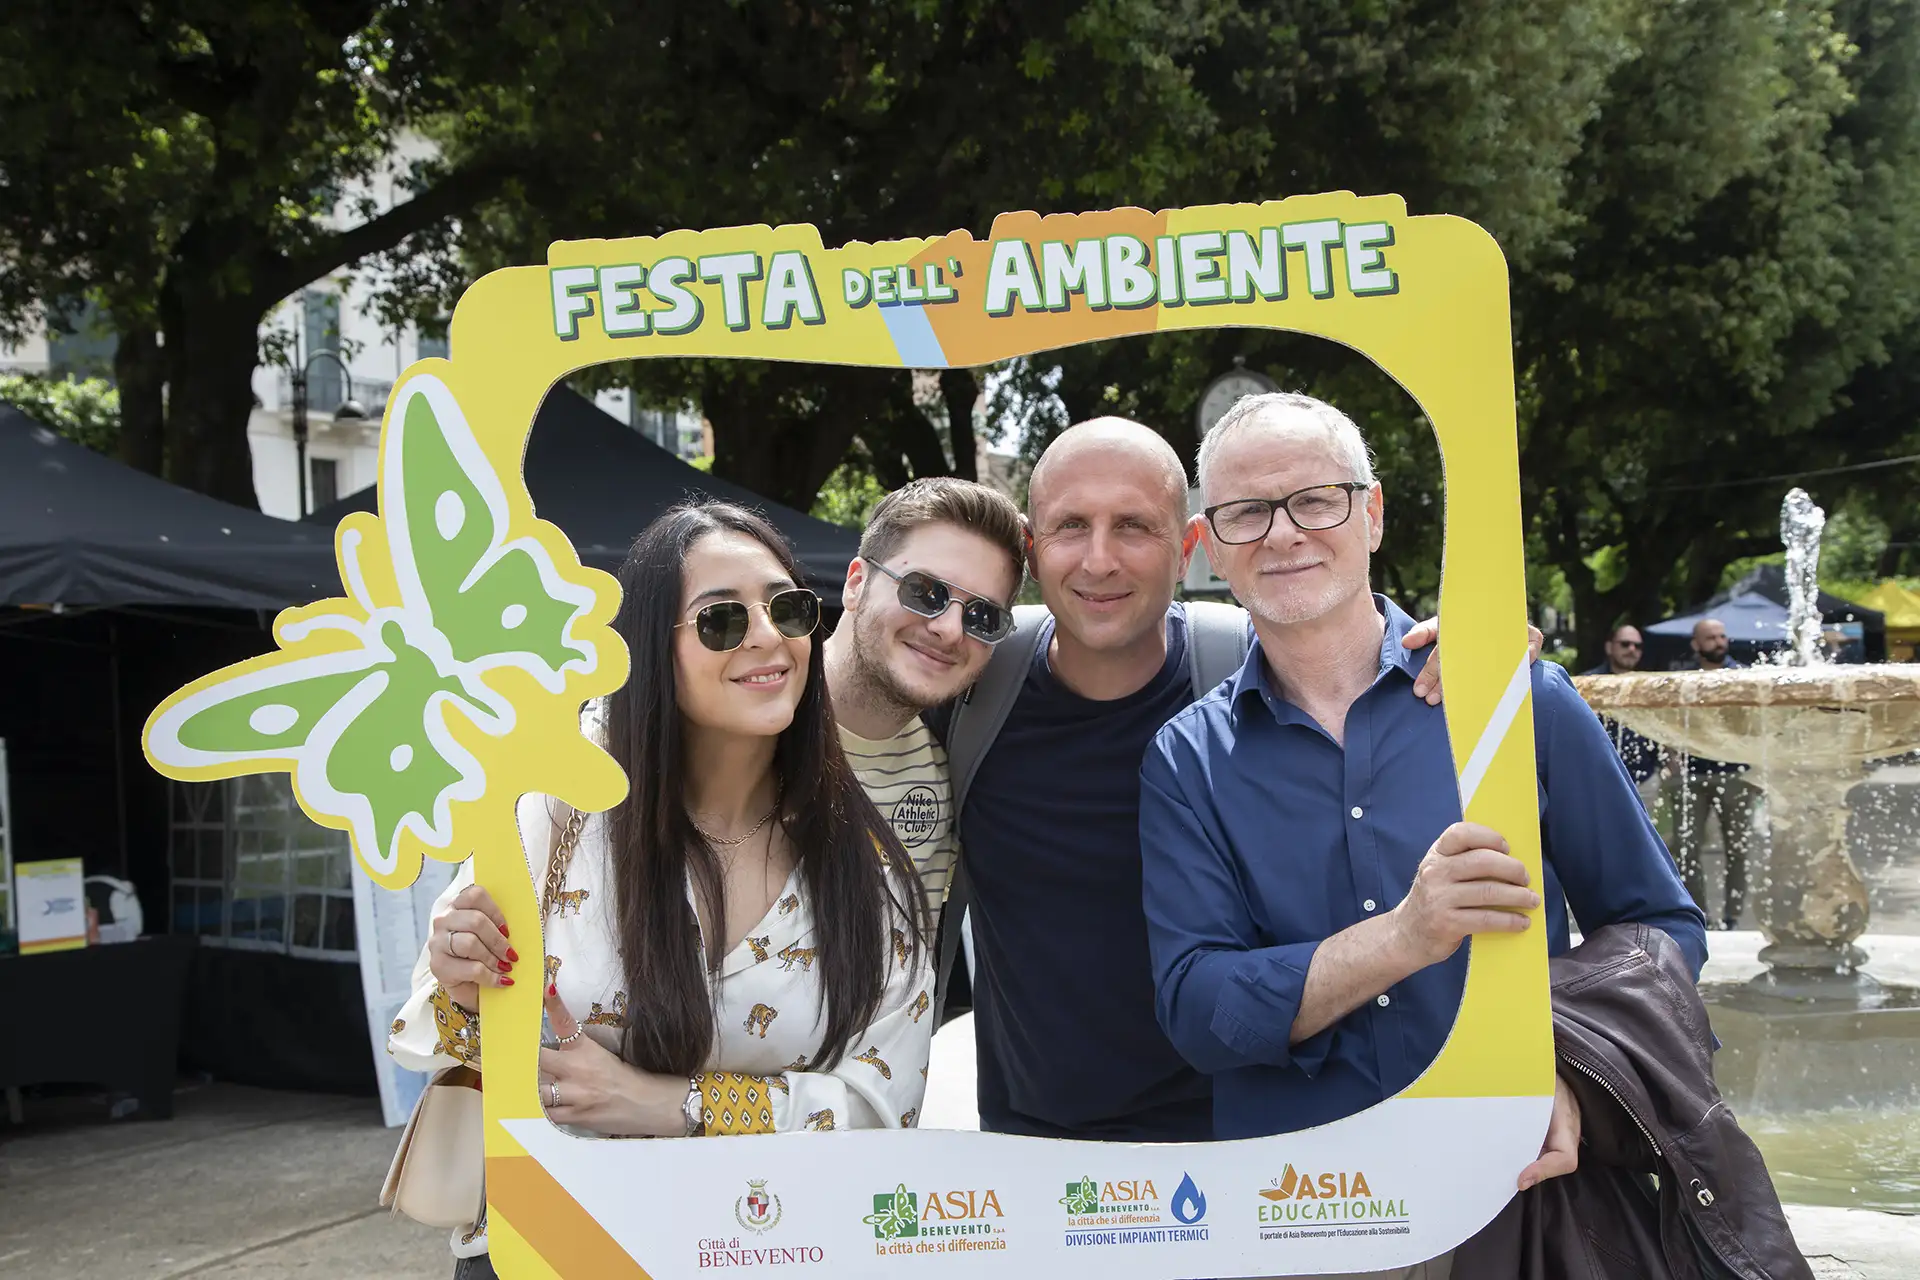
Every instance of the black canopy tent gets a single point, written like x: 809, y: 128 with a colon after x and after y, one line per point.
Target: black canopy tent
x: 78, y: 529
x: 115, y: 589
x: 602, y: 482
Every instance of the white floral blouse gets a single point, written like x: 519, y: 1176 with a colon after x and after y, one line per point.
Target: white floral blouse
x: 766, y: 998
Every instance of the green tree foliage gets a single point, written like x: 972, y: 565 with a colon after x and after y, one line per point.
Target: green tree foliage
x: 1712, y: 212
x: 86, y: 411
x: 1742, y: 253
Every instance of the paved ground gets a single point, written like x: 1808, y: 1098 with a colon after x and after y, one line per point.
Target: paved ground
x: 245, y: 1184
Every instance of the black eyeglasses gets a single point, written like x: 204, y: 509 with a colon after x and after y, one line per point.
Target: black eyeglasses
x: 722, y: 626
x: 1628, y: 644
x: 1322, y: 506
x: 928, y: 596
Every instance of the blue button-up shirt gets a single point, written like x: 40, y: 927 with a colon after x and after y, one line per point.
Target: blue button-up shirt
x: 1260, y: 836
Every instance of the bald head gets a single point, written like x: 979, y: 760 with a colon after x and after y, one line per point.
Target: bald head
x: 1710, y: 641
x: 1115, y: 441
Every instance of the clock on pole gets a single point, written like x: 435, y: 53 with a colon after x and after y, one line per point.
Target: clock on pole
x: 1219, y: 396
x: 1227, y: 388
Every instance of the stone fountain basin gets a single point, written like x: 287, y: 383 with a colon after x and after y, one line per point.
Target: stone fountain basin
x: 1777, y: 718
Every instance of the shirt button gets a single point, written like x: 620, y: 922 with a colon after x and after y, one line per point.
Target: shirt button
x: 1383, y: 1002
x: 1357, y: 811
x: 1368, y: 904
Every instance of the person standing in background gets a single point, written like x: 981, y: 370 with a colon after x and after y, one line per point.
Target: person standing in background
x: 1712, y: 787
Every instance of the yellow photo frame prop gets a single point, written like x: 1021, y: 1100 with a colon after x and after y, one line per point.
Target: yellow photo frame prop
x: 485, y: 696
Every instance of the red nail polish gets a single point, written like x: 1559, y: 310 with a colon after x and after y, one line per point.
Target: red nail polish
x: 513, y: 955
x: 552, y: 990
x: 504, y: 967
x: 503, y: 931
x: 506, y: 982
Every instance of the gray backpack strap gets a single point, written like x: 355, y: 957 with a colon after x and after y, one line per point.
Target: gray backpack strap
x: 983, y: 708
x: 976, y: 722
x: 1218, y: 638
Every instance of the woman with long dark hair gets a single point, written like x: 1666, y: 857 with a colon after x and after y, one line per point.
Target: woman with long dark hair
x: 736, y: 947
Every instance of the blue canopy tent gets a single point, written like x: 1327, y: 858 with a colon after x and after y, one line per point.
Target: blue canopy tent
x: 1754, y: 613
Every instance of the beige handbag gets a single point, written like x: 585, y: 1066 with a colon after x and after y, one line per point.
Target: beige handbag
x: 438, y: 1174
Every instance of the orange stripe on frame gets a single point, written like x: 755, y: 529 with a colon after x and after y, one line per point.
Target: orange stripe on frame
x: 565, y: 1235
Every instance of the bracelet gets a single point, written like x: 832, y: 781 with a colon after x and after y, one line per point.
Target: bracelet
x: 695, y: 1112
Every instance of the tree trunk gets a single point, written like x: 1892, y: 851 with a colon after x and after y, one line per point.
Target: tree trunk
x: 212, y: 347
x: 960, y: 389
x: 139, y: 369
x: 762, y: 441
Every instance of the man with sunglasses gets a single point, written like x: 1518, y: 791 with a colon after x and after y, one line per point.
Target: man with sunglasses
x: 929, y: 596
x: 1641, y: 756
x: 1308, y: 879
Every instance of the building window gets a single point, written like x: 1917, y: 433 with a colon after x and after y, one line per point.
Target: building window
x: 433, y: 346
x: 322, y: 317
x: 81, y: 343
x: 324, y: 483
x: 251, y: 872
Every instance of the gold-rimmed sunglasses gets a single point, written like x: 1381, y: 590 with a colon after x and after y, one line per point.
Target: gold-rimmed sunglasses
x: 722, y: 625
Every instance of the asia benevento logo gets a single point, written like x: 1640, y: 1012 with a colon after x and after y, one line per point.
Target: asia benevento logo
x: 943, y: 1220
x: 1132, y: 1211
x: 1336, y: 1202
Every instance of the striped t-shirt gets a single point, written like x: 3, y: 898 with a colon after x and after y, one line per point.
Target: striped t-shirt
x: 906, y: 778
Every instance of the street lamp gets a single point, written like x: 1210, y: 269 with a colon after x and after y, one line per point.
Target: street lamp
x: 349, y: 410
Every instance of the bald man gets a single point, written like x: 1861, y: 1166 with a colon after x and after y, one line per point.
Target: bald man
x: 1067, y: 1042
x: 1713, y: 788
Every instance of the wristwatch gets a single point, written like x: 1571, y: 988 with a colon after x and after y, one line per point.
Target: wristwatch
x: 696, y: 1113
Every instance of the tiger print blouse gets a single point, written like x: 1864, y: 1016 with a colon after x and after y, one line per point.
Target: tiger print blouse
x: 766, y: 1000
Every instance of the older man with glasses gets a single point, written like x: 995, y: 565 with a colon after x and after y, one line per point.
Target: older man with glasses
x: 1308, y: 881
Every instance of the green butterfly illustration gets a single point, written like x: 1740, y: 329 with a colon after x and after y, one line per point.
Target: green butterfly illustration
x: 362, y: 719
x: 894, y: 1215
x: 1082, y: 1197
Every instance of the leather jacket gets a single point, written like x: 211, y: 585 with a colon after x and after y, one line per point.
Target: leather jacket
x: 1632, y: 1041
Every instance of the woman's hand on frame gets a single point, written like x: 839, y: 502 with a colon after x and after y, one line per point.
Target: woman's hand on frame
x: 585, y: 1086
x: 468, y: 947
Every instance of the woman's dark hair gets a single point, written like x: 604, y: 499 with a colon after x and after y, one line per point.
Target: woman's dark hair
x: 834, y: 829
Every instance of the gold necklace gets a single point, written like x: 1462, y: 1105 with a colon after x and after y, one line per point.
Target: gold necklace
x: 728, y: 844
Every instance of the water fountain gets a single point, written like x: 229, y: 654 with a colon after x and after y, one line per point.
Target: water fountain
x: 1816, y: 1030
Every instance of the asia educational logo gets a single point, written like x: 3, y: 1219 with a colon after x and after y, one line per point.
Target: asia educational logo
x: 1131, y: 1211
x: 1340, y: 1202
x: 945, y: 1220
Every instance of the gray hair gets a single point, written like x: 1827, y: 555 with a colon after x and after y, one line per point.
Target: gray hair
x: 1248, y: 410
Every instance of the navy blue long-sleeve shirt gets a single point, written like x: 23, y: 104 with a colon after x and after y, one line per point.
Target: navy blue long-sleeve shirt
x: 1260, y: 836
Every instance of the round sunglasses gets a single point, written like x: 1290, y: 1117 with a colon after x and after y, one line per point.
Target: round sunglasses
x: 722, y: 626
x: 928, y: 596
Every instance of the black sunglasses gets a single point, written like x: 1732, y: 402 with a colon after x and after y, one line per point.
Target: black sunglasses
x: 722, y: 626
x: 928, y: 596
